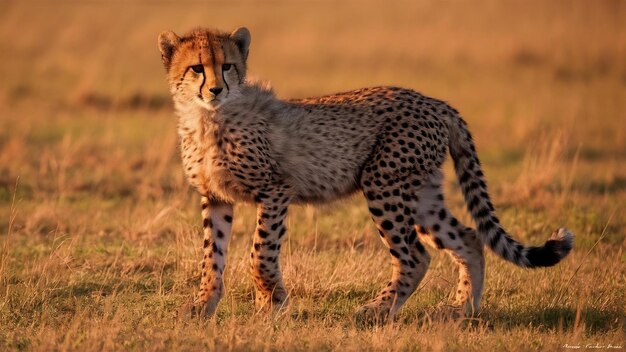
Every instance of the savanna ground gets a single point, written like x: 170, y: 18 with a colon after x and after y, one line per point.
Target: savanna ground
x: 100, y: 235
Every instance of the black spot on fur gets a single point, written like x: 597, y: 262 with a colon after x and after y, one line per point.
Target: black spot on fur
x: 465, y: 177
x: 473, y: 203
x: 412, y: 237
x: 486, y: 226
x: 387, y: 225
x: 495, y: 239
x: 376, y: 212
x: 483, y: 212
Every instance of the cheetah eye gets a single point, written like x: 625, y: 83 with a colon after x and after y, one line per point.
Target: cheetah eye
x: 197, y: 68
x: 226, y: 67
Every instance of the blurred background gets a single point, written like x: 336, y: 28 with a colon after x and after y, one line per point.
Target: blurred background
x: 89, y: 165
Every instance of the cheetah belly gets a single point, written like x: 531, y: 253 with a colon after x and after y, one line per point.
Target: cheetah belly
x: 324, y: 171
x: 323, y: 158
x: 322, y: 180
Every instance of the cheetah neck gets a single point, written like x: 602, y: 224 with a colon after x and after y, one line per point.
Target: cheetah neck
x: 198, y: 134
x: 195, y: 124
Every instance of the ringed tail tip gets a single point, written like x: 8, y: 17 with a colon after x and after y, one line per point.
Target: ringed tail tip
x: 556, y: 248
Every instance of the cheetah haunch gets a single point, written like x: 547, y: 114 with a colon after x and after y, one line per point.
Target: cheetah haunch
x: 240, y: 143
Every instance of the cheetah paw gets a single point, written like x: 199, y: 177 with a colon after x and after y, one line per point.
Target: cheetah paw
x: 371, y: 314
x: 448, y: 312
x: 198, y: 308
x: 273, y: 301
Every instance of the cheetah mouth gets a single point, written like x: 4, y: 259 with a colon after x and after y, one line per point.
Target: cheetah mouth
x: 209, y: 104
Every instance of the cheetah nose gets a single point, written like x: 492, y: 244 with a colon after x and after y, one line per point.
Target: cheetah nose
x: 216, y: 90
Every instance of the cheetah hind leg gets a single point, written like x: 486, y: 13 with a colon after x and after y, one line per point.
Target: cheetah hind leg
x: 394, y: 218
x: 471, y: 264
x: 443, y: 231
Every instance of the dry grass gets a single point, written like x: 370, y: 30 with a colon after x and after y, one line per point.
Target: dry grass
x: 99, y: 234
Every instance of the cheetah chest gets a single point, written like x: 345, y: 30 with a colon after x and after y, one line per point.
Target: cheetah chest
x: 225, y: 163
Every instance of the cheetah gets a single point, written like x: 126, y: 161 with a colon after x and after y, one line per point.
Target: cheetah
x: 240, y: 143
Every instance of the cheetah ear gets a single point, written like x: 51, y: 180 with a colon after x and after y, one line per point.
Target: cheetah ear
x: 241, y: 37
x: 168, y: 41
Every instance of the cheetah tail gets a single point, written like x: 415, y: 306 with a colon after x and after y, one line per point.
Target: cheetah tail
x: 471, y: 179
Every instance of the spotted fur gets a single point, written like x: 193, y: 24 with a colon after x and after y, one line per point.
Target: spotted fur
x: 241, y: 143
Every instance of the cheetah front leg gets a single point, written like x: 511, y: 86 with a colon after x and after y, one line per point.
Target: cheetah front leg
x: 217, y: 218
x: 265, y: 256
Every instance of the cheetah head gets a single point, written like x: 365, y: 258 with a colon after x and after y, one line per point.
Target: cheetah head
x: 205, y: 67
